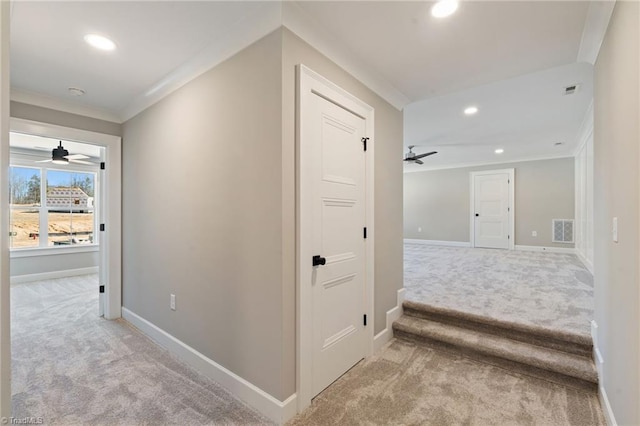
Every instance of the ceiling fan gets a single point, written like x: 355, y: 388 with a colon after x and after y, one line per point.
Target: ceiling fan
x: 59, y: 155
x: 411, y: 156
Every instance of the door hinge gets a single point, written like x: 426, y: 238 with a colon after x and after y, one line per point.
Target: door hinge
x: 508, y: 180
x: 365, y: 232
x: 102, y: 227
x: 364, y: 143
x: 365, y: 320
x: 102, y: 166
x: 101, y: 289
x: 508, y: 209
x: 508, y: 237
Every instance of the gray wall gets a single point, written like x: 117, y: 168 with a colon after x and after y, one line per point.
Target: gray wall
x: 60, y: 118
x: 53, y: 263
x: 438, y: 201
x: 202, y: 215
x: 616, y: 156
x: 214, y: 222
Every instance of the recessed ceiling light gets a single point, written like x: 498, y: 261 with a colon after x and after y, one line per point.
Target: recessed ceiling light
x: 99, y: 42
x: 499, y: 151
x: 444, y: 8
x: 471, y: 110
x: 74, y: 91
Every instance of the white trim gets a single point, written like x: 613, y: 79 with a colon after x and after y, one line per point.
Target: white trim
x: 19, y: 279
x: 437, y: 242
x: 5, y: 311
x: 587, y: 264
x: 566, y: 250
x: 276, y: 410
x: 393, y: 314
x: 488, y: 163
x: 602, y: 393
x: 595, y: 29
x: 512, y: 204
x: 44, y: 101
x: 252, y: 28
x: 53, y: 251
x: 111, y: 239
x: 311, y: 84
x: 586, y: 129
x: 300, y: 23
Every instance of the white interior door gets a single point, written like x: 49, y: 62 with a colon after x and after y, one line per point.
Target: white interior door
x: 338, y: 286
x: 491, y: 210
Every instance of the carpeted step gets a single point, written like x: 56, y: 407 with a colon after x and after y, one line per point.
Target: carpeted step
x: 560, y: 367
x: 554, y: 339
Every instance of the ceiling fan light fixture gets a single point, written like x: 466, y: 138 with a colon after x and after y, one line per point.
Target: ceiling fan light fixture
x: 59, y: 155
x: 444, y: 8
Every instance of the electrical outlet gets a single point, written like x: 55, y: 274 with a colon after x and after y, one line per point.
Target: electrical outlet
x: 614, y: 230
x: 419, y: 228
x: 172, y: 303
x: 534, y: 233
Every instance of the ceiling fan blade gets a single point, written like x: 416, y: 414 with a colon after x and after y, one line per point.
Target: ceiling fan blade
x: 76, y: 157
x: 418, y: 162
x: 81, y: 162
x: 41, y: 148
x: 44, y: 161
x: 425, y: 155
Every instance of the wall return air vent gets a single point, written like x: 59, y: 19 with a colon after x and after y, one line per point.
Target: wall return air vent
x: 562, y: 230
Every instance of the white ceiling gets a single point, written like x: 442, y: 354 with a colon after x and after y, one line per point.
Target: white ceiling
x: 394, y: 47
x: 525, y: 116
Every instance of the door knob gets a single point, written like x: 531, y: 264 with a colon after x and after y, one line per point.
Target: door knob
x: 477, y: 214
x: 319, y: 260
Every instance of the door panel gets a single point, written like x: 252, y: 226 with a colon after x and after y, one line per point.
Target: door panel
x: 338, y: 218
x: 491, y: 206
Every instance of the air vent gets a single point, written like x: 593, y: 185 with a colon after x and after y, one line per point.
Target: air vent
x: 562, y: 230
x: 570, y: 90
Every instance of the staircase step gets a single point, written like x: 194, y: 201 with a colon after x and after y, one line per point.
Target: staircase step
x: 553, y: 339
x: 546, y: 363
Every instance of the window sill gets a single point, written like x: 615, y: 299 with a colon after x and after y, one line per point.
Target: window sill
x: 51, y: 251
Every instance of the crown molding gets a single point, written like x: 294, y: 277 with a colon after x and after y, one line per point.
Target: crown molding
x: 595, y: 28
x: 44, y: 101
x: 244, y: 33
x: 300, y: 23
x: 490, y: 163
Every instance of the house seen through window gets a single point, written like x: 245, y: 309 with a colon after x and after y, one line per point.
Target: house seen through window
x: 51, y: 207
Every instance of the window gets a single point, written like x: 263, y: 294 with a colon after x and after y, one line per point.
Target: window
x: 59, y: 212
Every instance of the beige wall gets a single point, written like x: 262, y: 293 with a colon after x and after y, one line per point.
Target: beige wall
x: 60, y: 118
x: 616, y: 156
x: 209, y: 209
x: 438, y: 201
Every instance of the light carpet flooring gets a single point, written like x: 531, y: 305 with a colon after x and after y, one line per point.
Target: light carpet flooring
x: 71, y: 367
x: 549, y: 290
x: 406, y: 384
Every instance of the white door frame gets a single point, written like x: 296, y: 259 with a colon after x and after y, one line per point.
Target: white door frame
x: 312, y: 84
x: 111, y: 238
x: 512, y: 205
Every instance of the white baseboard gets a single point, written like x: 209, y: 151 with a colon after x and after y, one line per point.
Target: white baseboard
x: 392, y: 314
x: 276, y: 410
x: 602, y: 393
x: 606, y: 407
x: 437, y: 243
x: 19, y: 279
x: 566, y: 250
x: 585, y: 261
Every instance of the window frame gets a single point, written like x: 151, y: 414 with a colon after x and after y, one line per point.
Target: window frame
x: 19, y: 159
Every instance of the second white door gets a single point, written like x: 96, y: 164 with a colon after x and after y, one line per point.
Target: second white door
x: 492, y: 210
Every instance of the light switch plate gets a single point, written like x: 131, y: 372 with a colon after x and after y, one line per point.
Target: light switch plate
x: 172, y: 303
x: 614, y: 230
x: 534, y: 233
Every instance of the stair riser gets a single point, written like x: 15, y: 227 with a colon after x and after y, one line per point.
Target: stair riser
x: 510, y: 365
x: 522, y: 336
